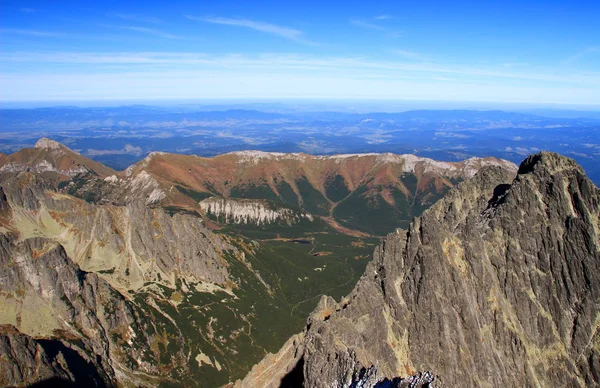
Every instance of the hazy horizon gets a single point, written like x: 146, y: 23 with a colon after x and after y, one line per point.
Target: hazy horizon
x: 306, y: 104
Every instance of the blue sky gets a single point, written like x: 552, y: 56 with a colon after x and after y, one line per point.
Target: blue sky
x: 497, y: 51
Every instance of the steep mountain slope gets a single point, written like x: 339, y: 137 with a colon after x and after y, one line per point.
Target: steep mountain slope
x: 72, y: 325
x: 372, y: 193
x: 497, y: 284
x: 54, y: 160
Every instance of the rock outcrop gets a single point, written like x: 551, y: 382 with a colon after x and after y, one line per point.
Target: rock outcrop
x: 498, y: 284
x: 251, y: 212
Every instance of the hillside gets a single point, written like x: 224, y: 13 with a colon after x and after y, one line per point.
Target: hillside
x: 368, y: 193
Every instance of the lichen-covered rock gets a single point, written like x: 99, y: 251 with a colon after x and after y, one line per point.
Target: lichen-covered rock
x: 498, y: 284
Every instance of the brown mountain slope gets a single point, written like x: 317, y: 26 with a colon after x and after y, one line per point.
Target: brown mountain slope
x: 497, y: 284
x: 52, y: 159
x: 223, y: 174
x: 354, y: 190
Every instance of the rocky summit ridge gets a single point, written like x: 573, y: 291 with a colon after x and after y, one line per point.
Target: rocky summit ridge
x: 497, y: 284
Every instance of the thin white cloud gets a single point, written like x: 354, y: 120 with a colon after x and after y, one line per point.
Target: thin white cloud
x: 28, y: 10
x: 37, y: 33
x: 247, y: 83
x: 274, y: 29
x: 583, y: 53
x: 151, y: 31
x: 515, y: 64
x: 383, y: 17
x: 368, y: 25
x: 407, y: 54
x: 363, y: 67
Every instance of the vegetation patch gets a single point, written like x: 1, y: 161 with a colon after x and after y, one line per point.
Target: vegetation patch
x: 193, y: 194
x: 335, y: 188
x: 259, y: 190
x: 312, y: 200
x: 286, y: 194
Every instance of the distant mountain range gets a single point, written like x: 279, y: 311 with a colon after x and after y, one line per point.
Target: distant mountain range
x: 121, y: 136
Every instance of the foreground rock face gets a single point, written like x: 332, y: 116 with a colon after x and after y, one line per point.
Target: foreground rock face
x: 71, y: 322
x: 498, y: 284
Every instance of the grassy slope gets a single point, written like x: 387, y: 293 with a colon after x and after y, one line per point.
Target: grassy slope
x: 257, y: 321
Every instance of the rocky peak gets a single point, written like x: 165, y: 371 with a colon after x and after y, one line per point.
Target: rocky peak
x: 45, y: 143
x: 549, y: 163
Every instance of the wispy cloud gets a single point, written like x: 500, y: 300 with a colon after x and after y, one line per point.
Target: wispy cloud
x: 374, y: 25
x: 515, y: 64
x: 583, y: 53
x: 28, y: 10
x: 383, y: 17
x: 407, y: 54
x: 301, y: 64
x: 274, y: 29
x: 37, y: 33
x: 151, y: 31
x: 367, y: 25
x: 137, y: 18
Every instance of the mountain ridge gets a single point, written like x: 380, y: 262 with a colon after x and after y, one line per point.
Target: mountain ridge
x: 350, y: 190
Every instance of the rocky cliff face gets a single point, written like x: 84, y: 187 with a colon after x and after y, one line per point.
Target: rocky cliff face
x: 250, y: 212
x: 64, y: 324
x: 498, y: 284
x: 129, y: 245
